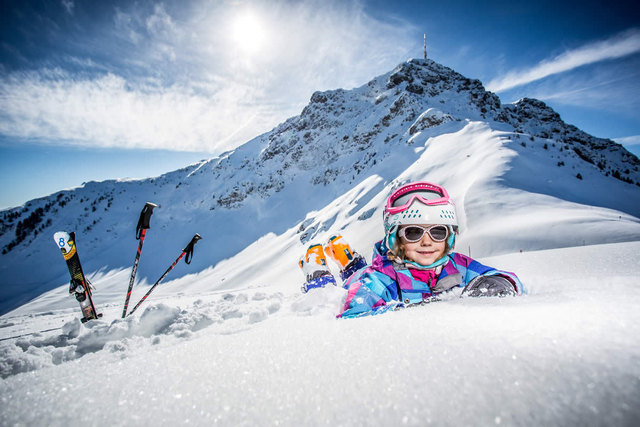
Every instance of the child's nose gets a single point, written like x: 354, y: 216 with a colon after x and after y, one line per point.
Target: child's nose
x: 426, y: 240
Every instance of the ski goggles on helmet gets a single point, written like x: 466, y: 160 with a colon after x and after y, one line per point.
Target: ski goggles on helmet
x: 414, y: 233
x: 427, y: 193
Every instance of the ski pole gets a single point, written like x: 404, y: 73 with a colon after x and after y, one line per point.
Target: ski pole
x: 141, y: 231
x: 188, y: 251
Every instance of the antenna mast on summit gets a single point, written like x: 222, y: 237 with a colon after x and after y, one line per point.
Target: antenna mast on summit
x: 425, y: 46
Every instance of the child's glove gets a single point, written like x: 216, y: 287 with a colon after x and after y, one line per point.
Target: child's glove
x: 489, y: 286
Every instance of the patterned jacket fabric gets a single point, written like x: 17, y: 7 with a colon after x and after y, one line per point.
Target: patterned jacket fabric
x: 386, y: 285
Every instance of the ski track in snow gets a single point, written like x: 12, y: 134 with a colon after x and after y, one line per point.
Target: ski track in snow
x: 568, y: 353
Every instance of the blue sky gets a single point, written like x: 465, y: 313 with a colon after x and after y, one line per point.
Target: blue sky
x: 93, y: 90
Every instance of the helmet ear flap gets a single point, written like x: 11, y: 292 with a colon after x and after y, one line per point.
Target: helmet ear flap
x: 451, y: 240
x: 391, y: 237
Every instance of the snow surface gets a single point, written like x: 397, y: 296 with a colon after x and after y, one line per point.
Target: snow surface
x: 568, y: 353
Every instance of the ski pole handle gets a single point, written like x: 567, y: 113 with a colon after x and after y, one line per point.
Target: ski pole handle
x: 189, y: 249
x: 145, y: 218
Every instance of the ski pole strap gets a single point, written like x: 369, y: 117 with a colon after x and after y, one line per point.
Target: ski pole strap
x: 188, y: 251
x: 145, y: 217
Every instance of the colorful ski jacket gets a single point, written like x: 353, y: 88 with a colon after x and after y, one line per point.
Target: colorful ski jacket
x: 383, y: 286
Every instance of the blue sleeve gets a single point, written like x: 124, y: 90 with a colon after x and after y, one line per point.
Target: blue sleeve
x: 369, y: 293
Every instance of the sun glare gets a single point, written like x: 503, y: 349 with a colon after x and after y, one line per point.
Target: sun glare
x: 249, y: 32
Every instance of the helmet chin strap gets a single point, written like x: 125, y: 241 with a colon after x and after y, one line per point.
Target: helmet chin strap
x: 439, y: 262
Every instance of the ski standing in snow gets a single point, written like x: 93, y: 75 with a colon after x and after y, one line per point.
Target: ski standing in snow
x: 79, y: 285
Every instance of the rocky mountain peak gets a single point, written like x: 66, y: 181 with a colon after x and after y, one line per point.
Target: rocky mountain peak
x: 384, y: 110
x: 428, y: 78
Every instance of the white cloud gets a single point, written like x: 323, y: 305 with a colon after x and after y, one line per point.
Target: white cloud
x: 69, y: 6
x: 180, y: 81
x: 621, y: 45
x: 160, y: 23
x: 628, y: 140
x: 605, y: 86
x: 109, y: 112
x: 123, y: 26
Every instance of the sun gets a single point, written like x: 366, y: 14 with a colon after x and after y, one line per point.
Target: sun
x: 249, y: 32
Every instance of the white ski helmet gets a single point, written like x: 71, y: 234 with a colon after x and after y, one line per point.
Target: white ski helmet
x: 419, y: 203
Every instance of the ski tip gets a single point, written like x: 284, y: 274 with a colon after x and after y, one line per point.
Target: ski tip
x: 151, y: 205
x: 197, y: 237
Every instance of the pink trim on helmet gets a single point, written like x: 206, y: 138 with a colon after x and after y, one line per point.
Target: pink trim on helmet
x: 416, y: 186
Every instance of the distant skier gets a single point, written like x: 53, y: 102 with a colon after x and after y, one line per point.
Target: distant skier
x: 415, y: 261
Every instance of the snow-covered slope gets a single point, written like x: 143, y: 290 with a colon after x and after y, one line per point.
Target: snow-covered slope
x: 566, y: 354
x: 521, y: 177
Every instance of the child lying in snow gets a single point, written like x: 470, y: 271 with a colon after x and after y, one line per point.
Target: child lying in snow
x: 415, y: 261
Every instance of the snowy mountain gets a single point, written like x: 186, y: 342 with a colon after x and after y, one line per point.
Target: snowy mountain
x: 231, y: 340
x: 520, y: 175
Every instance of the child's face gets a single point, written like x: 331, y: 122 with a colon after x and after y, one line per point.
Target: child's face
x: 425, y: 251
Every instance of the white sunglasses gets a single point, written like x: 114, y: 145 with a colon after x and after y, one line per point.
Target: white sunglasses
x: 414, y: 233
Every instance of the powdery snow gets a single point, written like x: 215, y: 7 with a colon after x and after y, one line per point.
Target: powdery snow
x: 567, y: 353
